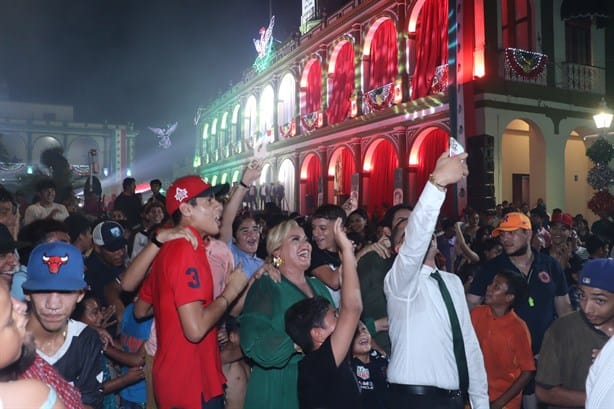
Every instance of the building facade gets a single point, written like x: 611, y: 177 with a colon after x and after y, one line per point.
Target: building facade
x: 28, y: 129
x: 361, y: 104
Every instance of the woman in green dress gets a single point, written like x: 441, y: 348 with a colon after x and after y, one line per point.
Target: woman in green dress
x: 273, y: 380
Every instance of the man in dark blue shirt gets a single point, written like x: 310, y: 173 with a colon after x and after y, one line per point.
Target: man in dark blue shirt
x: 546, y: 282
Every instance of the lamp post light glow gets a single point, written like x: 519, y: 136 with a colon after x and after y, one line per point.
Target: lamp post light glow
x: 603, y: 118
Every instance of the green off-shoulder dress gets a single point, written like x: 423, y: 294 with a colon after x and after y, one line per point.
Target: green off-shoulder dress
x: 272, y: 384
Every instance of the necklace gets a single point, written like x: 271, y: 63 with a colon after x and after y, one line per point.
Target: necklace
x: 50, y: 346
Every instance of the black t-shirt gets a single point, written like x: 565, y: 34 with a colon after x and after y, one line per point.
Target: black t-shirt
x: 371, y: 379
x: 79, y: 361
x: 98, y: 275
x: 323, y: 258
x: 131, y: 206
x: 323, y: 385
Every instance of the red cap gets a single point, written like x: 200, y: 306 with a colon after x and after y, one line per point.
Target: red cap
x: 564, y: 218
x: 189, y: 187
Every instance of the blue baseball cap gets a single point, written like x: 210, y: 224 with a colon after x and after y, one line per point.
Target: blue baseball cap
x: 598, y: 273
x: 55, y: 266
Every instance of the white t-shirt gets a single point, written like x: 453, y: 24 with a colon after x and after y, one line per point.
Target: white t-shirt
x: 600, y: 379
x: 38, y: 212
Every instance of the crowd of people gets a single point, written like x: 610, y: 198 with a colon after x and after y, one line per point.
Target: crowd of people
x: 211, y: 297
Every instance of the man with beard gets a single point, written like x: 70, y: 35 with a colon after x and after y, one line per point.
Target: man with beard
x: 571, y: 342
x: 54, y: 287
x: 547, y: 287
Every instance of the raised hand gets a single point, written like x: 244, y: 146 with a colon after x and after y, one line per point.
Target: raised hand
x: 164, y: 235
x: 252, y: 173
x: 343, y: 243
x: 450, y: 170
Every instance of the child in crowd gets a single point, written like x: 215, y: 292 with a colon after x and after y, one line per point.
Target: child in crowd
x: 235, y: 368
x: 133, y: 335
x: 325, y: 379
x: 369, y: 367
x: 505, y: 340
x: 89, y: 312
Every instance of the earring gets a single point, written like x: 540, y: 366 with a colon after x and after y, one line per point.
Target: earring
x: 277, y: 261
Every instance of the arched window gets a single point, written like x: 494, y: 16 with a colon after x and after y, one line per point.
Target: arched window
x: 340, y: 83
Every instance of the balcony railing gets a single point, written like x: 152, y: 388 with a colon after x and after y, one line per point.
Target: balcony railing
x: 524, y: 66
x: 585, y: 78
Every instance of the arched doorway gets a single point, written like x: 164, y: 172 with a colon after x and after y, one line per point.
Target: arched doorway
x: 522, y: 167
x: 286, y: 179
x: 426, y: 149
x: 340, y: 171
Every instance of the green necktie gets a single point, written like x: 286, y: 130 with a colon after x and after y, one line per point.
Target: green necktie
x: 457, y: 334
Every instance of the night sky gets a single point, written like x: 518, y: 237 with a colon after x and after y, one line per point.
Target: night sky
x: 146, y: 62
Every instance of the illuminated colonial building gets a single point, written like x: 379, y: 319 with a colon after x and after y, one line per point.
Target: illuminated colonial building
x: 28, y: 129
x: 359, y: 104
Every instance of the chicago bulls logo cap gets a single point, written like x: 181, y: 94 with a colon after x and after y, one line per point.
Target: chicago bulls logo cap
x: 55, y: 266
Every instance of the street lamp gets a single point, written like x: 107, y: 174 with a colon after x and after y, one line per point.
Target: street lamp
x: 603, y: 118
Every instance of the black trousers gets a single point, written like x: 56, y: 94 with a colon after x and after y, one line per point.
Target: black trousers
x: 424, y: 397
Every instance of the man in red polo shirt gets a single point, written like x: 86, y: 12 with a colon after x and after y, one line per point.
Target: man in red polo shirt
x: 187, y: 370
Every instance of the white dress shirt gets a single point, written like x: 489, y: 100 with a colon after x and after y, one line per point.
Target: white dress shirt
x: 600, y: 379
x: 419, y: 325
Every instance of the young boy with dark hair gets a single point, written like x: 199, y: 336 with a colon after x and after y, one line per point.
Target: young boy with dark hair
x: 369, y: 367
x: 505, y: 340
x: 325, y: 377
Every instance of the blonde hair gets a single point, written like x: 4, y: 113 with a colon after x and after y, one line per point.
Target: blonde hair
x: 277, y: 234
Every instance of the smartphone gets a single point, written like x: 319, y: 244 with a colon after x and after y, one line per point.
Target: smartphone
x: 455, y: 147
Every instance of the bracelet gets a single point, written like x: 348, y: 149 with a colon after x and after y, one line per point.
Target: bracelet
x: 437, y: 185
x: 225, y: 299
x: 154, y: 240
x: 243, y: 184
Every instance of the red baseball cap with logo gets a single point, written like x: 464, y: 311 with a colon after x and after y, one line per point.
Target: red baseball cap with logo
x: 564, y: 218
x: 189, y: 187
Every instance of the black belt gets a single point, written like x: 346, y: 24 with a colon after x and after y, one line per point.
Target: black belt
x: 422, y: 390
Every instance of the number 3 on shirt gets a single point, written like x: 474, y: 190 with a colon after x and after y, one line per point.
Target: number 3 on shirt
x: 193, y: 273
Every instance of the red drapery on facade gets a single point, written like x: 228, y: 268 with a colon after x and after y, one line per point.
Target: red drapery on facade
x: 313, y: 174
x: 381, y: 181
x: 433, y: 145
x: 347, y: 161
x: 313, y: 92
x: 431, y: 45
x: 342, y: 85
x: 383, y: 59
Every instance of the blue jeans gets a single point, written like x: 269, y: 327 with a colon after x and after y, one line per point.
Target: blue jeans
x: 126, y: 404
